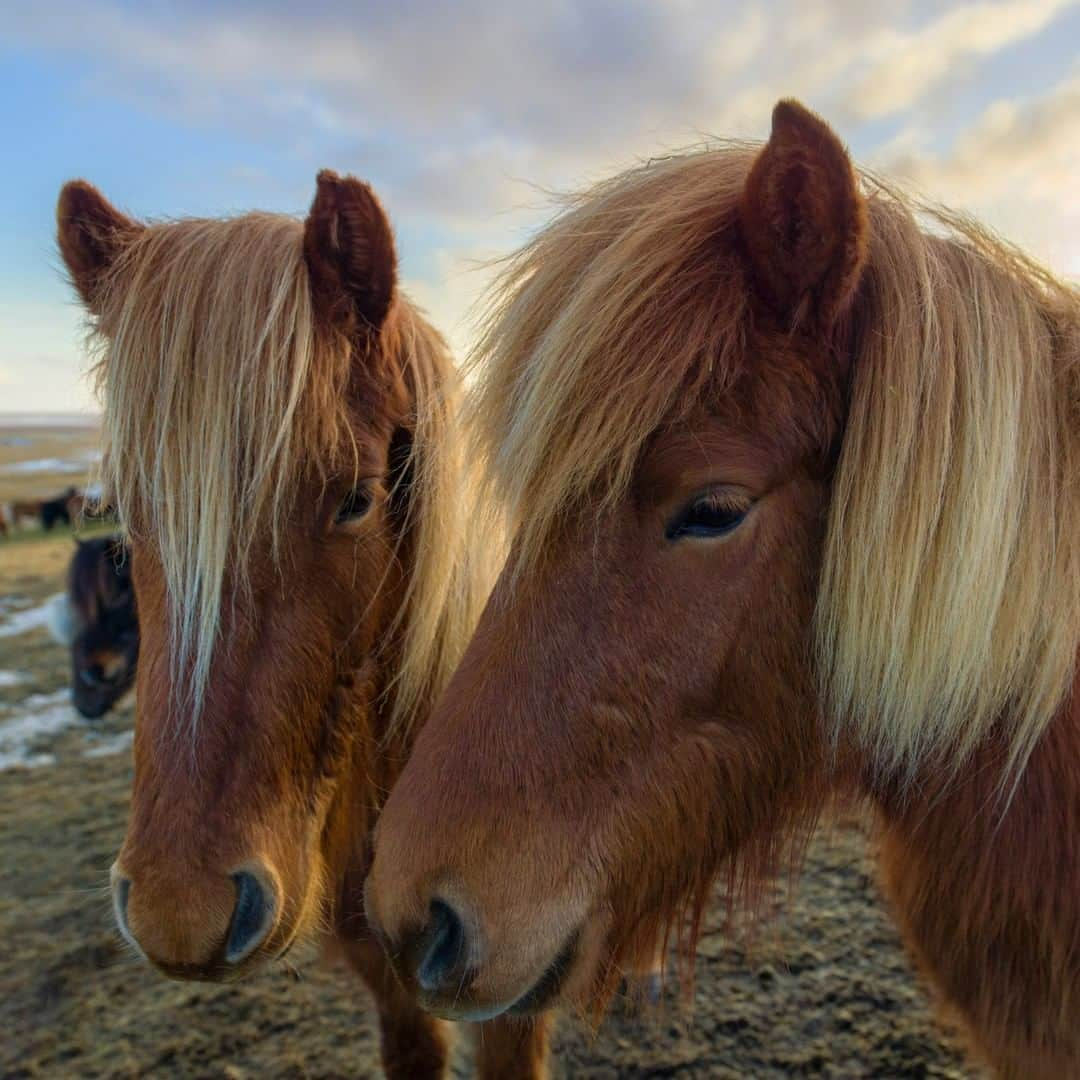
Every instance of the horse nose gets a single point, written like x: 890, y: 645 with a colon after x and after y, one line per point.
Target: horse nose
x: 191, y: 931
x: 92, y: 676
x: 439, y: 954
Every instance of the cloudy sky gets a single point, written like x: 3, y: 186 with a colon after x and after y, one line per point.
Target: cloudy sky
x: 462, y: 114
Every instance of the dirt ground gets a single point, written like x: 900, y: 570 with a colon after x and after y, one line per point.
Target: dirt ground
x: 826, y: 991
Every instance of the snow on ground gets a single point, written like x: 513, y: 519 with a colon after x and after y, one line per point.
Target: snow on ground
x: 24, y: 620
x: 25, y: 724
x: 42, y: 716
x: 53, y: 464
x: 37, y: 716
x: 104, y: 745
x: 49, y: 420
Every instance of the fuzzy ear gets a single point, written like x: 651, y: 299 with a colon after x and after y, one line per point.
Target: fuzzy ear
x: 91, y: 233
x: 803, y: 219
x: 349, y: 247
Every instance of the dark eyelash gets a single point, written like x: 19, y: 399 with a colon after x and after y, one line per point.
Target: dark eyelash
x: 355, y: 505
x: 709, y: 515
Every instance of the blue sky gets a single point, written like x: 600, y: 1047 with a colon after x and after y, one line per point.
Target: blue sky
x: 462, y: 114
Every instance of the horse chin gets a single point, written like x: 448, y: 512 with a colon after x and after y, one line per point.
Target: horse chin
x: 567, y: 981
x: 547, y: 989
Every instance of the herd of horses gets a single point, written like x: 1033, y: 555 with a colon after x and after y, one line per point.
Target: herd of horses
x: 764, y: 491
x: 68, y: 508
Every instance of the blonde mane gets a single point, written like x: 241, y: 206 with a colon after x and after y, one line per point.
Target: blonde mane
x: 221, y: 393
x: 950, y: 591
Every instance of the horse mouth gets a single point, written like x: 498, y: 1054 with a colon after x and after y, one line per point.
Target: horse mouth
x: 548, y: 986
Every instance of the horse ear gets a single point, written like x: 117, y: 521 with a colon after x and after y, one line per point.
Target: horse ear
x: 349, y: 247
x: 803, y: 219
x: 91, y: 233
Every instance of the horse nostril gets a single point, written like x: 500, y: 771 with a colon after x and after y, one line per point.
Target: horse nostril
x: 92, y: 676
x: 442, y: 949
x: 252, y: 919
x: 121, y: 891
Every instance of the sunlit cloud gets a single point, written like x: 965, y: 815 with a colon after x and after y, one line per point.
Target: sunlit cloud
x: 463, y: 115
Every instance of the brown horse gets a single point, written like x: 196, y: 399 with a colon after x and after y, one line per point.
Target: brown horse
x: 22, y: 512
x: 281, y: 447
x: 793, y: 465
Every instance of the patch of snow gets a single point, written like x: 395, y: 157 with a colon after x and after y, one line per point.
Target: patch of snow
x: 26, y: 761
x: 111, y: 744
x: 24, y: 620
x: 11, y: 678
x: 37, y: 716
x: 52, y: 465
x: 49, y: 420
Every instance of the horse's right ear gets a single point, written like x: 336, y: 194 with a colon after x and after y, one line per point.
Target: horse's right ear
x: 803, y: 220
x: 91, y: 233
x: 349, y: 247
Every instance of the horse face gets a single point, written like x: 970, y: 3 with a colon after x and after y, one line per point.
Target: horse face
x: 225, y: 858
x: 230, y: 816
x: 638, y: 703
x: 105, y: 647
x: 642, y: 695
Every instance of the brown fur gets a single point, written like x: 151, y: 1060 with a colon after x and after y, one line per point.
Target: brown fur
x: 638, y: 715
x: 255, y: 372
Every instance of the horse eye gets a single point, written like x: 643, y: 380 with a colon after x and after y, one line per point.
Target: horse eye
x: 708, y: 515
x: 354, y: 506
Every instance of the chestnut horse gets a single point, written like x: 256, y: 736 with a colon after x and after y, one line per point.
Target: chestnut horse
x: 793, y: 468
x: 281, y: 448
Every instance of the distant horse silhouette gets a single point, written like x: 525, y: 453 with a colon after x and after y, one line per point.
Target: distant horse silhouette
x: 101, y: 628
x: 63, y: 509
x: 281, y: 445
x: 793, y: 465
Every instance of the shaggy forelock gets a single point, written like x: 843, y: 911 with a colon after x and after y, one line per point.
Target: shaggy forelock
x: 950, y: 591
x: 222, y: 394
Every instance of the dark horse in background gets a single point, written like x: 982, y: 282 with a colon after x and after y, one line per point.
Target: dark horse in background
x: 101, y: 625
x: 65, y: 509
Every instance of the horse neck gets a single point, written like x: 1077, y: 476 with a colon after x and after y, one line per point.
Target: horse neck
x: 975, y: 811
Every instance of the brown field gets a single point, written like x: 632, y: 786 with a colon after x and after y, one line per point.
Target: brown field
x: 825, y: 991
x: 50, y: 439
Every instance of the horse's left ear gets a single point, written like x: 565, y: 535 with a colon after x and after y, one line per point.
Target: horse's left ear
x: 91, y: 233
x: 803, y: 219
x: 349, y: 247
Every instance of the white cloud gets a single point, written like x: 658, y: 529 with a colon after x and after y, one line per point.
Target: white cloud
x: 904, y: 67
x: 1017, y: 166
x: 460, y: 112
